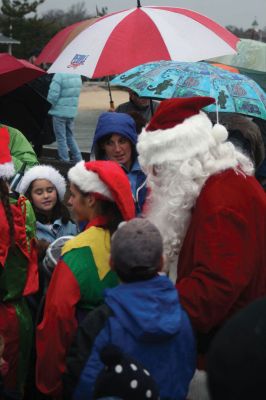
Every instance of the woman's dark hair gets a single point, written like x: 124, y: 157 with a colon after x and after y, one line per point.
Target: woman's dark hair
x: 109, y: 209
x: 60, y: 210
x: 113, y: 214
x: 98, y: 147
x: 4, y: 195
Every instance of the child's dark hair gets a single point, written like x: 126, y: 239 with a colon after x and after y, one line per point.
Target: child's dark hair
x: 4, y: 195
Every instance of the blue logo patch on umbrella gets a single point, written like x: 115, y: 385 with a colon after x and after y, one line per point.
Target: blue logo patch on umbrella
x: 78, y: 60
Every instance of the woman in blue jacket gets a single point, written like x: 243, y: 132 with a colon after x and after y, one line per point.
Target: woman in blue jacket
x: 115, y: 139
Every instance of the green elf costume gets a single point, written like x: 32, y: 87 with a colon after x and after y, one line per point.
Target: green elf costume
x: 20, y: 148
x: 18, y: 276
x: 82, y: 274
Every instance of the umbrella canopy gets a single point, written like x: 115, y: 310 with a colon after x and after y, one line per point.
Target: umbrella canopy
x: 167, y: 79
x: 26, y: 110
x: 15, y: 72
x: 59, y: 41
x: 251, y: 54
x: 122, y: 40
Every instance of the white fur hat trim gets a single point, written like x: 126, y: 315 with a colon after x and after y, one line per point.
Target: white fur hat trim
x: 88, y: 181
x: 43, y: 172
x: 7, y: 170
x: 181, y: 142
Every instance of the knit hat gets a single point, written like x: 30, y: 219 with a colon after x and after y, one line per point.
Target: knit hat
x: 43, y: 172
x: 113, y: 122
x: 107, y: 179
x: 136, y: 250
x: 178, y: 131
x: 237, y: 357
x: 123, y: 377
x: 7, y: 169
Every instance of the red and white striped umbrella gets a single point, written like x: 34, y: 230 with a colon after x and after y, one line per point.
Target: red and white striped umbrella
x: 60, y: 40
x: 122, y: 40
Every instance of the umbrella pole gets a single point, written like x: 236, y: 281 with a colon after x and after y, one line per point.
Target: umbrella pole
x: 112, y: 105
x: 151, y: 106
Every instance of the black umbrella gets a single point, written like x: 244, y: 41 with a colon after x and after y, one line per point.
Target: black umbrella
x: 26, y: 109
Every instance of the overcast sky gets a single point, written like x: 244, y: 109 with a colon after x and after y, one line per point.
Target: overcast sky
x: 240, y: 13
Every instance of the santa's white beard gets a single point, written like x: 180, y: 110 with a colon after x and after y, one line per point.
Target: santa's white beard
x: 173, y: 195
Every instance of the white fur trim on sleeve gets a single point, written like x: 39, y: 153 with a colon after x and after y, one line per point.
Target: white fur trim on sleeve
x: 7, y: 170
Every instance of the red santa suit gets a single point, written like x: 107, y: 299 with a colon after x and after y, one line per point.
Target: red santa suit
x: 221, y: 250
x: 222, y: 263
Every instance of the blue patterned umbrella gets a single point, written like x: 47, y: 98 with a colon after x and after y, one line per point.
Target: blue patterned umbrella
x: 168, y: 79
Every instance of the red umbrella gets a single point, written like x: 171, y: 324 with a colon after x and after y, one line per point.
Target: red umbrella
x: 122, y: 40
x: 15, y: 72
x: 58, y: 42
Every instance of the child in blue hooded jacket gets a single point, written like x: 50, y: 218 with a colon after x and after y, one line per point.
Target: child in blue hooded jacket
x: 142, y: 315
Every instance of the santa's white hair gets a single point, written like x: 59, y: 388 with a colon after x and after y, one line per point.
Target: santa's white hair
x: 175, y: 186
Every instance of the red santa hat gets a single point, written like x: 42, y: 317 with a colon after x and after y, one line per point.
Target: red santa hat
x: 7, y: 169
x: 178, y: 131
x: 108, y: 180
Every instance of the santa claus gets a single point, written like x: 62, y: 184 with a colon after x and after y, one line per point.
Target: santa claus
x: 210, y: 210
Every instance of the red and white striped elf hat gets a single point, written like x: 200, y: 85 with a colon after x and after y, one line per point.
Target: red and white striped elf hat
x: 108, y: 180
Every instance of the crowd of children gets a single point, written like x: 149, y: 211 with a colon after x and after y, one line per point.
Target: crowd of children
x: 109, y: 322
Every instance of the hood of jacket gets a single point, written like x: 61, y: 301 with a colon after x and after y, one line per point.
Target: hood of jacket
x: 150, y: 309
x: 113, y: 122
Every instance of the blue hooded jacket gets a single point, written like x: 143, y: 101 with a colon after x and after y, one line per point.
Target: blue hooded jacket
x: 148, y: 323
x: 112, y: 122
